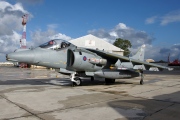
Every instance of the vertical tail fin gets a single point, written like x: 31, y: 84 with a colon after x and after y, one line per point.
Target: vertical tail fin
x: 140, y: 53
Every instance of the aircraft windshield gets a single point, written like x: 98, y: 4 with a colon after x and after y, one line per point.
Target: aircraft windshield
x: 55, y: 44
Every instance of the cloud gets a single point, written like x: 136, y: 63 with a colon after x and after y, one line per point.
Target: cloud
x: 30, y: 2
x: 60, y: 36
x: 136, y: 37
x: 172, y: 50
x: 10, y: 17
x: 173, y: 16
x: 39, y: 37
x: 9, y: 43
x: 160, y: 52
x: 151, y: 20
x: 10, y: 25
x: 11, y: 28
x: 52, y: 26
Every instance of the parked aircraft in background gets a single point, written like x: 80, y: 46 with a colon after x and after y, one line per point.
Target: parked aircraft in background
x: 84, y: 62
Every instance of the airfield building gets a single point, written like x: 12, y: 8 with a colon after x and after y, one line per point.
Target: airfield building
x: 90, y: 41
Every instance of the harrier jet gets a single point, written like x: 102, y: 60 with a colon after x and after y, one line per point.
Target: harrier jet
x: 84, y: 62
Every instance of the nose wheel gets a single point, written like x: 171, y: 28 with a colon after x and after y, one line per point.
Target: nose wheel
x: 142, y: 77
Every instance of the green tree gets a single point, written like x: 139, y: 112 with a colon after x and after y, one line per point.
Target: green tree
x: 123, y: 44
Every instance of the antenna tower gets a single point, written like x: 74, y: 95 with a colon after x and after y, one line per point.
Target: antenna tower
x: 23, y: 39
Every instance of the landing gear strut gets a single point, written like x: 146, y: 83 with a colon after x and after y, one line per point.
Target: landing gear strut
x: 76, y: 81
x: 142, y: 77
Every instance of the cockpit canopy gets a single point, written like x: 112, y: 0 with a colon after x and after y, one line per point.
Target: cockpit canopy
x: 55, y: 44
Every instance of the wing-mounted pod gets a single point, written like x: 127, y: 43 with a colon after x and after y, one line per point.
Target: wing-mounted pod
x: 98, y: 61
x: 84, y: 60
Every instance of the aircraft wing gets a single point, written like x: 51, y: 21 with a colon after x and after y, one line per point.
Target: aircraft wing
x: 111, y: 56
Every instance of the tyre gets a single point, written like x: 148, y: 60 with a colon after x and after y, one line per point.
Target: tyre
x: 78, y: 81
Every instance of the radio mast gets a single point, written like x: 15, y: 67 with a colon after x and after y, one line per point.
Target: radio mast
x: 23, y: 39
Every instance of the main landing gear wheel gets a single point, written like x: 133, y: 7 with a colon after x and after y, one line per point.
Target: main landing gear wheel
x: 142, y: 77
x: 77, y: 82
x: 109, y: 81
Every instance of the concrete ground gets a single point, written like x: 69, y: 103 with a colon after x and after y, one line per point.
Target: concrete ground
x: 39, y: 94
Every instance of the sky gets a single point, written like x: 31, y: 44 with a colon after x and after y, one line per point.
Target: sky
x: 155, y: 23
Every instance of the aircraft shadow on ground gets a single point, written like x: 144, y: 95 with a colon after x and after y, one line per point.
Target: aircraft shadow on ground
x: 57, y: 81
x: 31, y: 81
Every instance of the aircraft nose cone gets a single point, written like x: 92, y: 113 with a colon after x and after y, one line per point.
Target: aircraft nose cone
x: 23, y: 56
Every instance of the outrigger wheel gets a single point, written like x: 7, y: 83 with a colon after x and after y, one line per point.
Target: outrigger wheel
x: 142, y: 76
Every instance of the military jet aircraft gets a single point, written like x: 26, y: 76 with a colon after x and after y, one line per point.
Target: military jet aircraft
x: 82, y: 62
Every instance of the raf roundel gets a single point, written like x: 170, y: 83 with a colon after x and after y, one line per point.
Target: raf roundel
x: 84, y: 58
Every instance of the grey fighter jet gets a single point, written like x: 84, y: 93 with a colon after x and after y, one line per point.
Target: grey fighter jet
x: 83, y: 62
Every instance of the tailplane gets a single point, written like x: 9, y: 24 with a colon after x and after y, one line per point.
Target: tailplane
x: 140, y: 53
